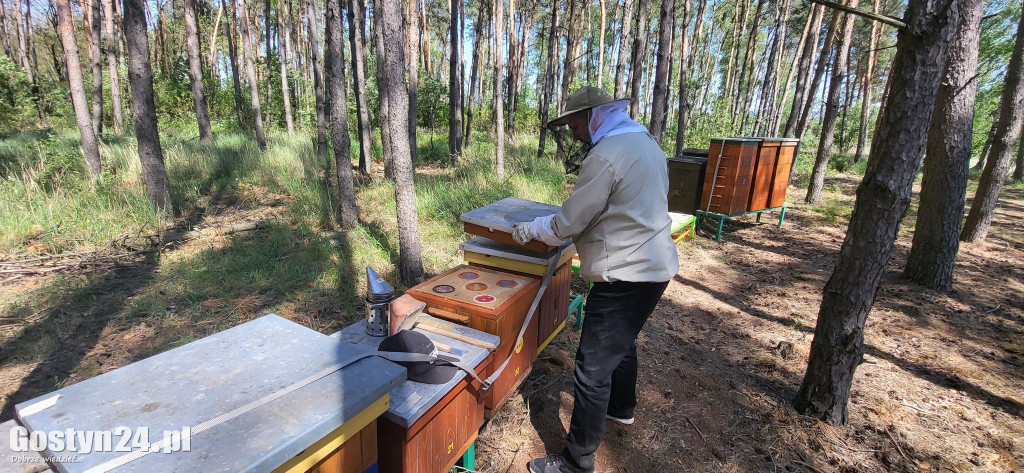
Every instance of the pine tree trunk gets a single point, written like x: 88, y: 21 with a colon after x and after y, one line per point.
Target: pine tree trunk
x: 95, y: 30
x: 357, y: 40
x: 250, y: 72
x: 636, y: 67
x: 454, y: 85
x: 866, y: 88
x: 79, y: 102
x: 659, y: 105
x: 1018, y: 171
x: 320, y: 98
x: 412, y: 71
x: 625, y: 40
x: 802, y: 92
x: 819, y: 73
x: 334, y: 63
x: 4, y: 35
x: 989, y: 138
x: 600, y: 47
x: 195, y: 71
x: 882, y: 200
x: 733, y: 36
x: 115, y: 81
x: 549, y: 76
x: 212, y: 57
x: 499, y: 73
x: 1011, y: 116
x: 23, y: 35
x: 284, y: 46
x: 478, y: 32
x: 233, y: 52
x: 267, y: 76
x: 394, y: 123
x: 832, y: 106
x: 947, y: 160
x: 743, y: 83
x: 140, y: 78
x: 685, y: 63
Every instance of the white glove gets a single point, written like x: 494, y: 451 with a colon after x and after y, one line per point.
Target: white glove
x: 540, y: 227
x: 521, y: 233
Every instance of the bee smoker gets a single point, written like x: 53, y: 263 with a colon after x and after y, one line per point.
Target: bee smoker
x: 379, y: 295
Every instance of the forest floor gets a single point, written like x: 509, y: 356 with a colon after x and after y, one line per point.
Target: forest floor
x: 941, y: 389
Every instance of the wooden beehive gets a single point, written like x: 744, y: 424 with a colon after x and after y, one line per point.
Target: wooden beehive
x: 554, y: 305
x: 685, y: 181
x: 436, y: 441
x: 787, y: 148
x: 764, y: 171
x: 494, y: 302
x: 729, y: 175
x: 497, y: 219
x: 358, y: 455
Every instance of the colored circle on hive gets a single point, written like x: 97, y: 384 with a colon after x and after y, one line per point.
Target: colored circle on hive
x: 507, y: 283
x: 468, y: 275
x: 444, y: 289
x: 484, y: 298
x: 476, y: 286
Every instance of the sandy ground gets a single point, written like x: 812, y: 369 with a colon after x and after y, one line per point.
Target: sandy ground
x: 941, y: 388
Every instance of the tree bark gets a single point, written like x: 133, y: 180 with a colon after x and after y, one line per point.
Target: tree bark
x: 454, y: 87
x: 334, y: 62
x: 770, y: 91
x: 96, y: 61
x: 233, y: 52
x: 600, y: 47
x: 1018, y: 171
x: 659, y: 105
x: 90, y: 147
x: 869, y: 75
x: 320, y: 99
x: 266, y: 66
x: 823, y: 63
x: 806, y: 58
x: 478, y: 32
x: 624, y: 44
x: 549, y: 75
x: 356, y: 13
x: 140, y: 78
x: 743, y: 84
x: 499, y: 73
x: 195, y: 71
x: 989, y: 138
x: 284, y: 45
x: 115, y: 80
x: 636, y: 67
x: 23, y: 34
x: 1011, y: 116
x: 412, y: 70
x: 947, y: 160
x: 685, y: 62
x: 882, y: 200
x: 832, y: 106
x: 4, y: 35
x: 250, y: 72
x: 394, y: 97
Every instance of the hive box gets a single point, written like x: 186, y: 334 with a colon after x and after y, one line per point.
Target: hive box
x: 554, y: 305
x: 685, y: 181
x: 496, y: 220
x: 786, y: 149
x: 327, y: 425
x: 729, y: 175
x: 429, y: 426
x: 493, y: 302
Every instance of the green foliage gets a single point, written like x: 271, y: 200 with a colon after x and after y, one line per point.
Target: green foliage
x: 16, y: 107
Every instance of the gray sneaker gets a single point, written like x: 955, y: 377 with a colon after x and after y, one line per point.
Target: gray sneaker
x: 621, y: 420
x: 551, y: 464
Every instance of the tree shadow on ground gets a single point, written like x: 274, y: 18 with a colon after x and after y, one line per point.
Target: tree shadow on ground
x: 147, y: 307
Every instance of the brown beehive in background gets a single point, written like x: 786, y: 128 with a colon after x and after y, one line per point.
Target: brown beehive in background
x: 729, y: 175
x: 787, y: 148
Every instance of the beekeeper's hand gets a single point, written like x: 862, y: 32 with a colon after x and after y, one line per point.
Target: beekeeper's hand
x: 521, y: 233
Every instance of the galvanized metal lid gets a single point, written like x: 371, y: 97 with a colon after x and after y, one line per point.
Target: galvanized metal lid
x: 377, y: 289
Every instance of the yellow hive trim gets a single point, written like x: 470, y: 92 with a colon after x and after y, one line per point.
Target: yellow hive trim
x: 313, y: 455
x: 551, y: 337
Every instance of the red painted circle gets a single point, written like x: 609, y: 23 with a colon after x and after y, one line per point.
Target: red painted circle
x: 476, y: 286
x: 485, y: 298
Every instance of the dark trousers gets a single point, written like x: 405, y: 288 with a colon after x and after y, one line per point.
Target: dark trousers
x: 606, y: 362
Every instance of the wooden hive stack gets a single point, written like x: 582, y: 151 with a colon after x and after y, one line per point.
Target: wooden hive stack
x: 729, y: 175
x: 787, y: 148
x: 493, y: 302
